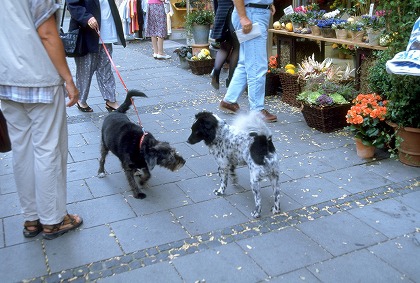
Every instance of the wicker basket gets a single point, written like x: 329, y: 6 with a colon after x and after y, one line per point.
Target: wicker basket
x: 272, y: 84
x: 201, y: 67
x: 290, y: 89
x: 326, y: 119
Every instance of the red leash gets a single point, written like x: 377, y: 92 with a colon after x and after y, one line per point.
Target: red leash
x: 119, y: 76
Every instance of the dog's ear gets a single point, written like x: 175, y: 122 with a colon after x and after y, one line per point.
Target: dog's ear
x: 151, y: 161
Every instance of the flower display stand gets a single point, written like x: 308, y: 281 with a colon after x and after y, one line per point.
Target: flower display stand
x: 326, y: 119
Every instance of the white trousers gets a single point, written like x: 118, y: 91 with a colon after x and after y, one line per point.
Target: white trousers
x: 38, y: 132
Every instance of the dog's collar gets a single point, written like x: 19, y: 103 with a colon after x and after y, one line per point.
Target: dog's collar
x: 142, y: 139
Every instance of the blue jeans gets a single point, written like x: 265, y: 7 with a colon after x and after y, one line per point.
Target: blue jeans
x: 253, y: 64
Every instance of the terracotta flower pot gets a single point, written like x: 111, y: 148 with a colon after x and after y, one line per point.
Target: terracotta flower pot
x: 315, y: 30
x: 357, y: 36
x: 364, y: 151
x: 409, y: 147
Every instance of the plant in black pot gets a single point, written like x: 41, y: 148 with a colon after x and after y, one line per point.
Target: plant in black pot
x: 184, y: 53
x: 402, y: 91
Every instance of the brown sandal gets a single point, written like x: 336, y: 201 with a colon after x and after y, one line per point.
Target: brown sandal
x: 70, y: 222
x: 32, y: 228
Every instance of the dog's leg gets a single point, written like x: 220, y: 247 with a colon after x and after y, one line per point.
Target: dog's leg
x: 233, y: 176
x: 224, y: 174
x: 275, y: 184
x: 255, y: 186
x: 104, y: 153
x: 137, y: 193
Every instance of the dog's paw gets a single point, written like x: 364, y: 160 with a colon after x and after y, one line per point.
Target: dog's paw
x: 255, y: 214
x: 101, y: 175
x: 140, y: 195
x: 218, y: 192
x: 275, y: 210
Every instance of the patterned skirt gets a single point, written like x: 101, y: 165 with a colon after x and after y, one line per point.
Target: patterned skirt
x: 156, y: 21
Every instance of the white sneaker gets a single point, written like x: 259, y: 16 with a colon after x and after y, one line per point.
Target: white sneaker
x: 154, y: 55
x: 163, y: 57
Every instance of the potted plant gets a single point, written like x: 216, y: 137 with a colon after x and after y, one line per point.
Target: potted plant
x: 339, y: 26
x: 402, y: 91
x: 374, y: 26
x: 299, y: 19
x: 198, y: 21
x: 355, y: 27
x: 325, y: 104
x: 313, y: 15
x: 367, y: 122
x: 272, y: 79
x: 345, y: 51
x: 184, y: 53
x: 202, y: 63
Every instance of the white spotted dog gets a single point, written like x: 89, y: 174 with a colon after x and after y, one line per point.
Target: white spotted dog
x: 246, y: 142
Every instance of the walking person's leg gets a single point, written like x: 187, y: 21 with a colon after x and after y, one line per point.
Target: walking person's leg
x: 105, y: 78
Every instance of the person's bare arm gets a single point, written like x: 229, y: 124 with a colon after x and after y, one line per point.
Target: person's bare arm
x: 244, y: 20
x: 48, y: 33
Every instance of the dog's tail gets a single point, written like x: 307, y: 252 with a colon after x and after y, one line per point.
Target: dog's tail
x: 127, y: 102
x: 251, y: 122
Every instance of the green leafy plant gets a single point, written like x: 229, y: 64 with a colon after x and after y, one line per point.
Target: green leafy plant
x: 402, y: 91
x: 326, y: 93
x: 184, y: 52
x: 198, y: 17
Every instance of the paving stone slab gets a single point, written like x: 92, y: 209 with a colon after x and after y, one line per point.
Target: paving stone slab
x: 78, y: 191
x: 394, y: 170
x: 411, y: 199
x: 401, y: 253
x: 301, y: 166
x: 358, y: 266
x: 312, y: 190
x: 22, y: 262
x: 159, y: 198
x: 112, y: 183
x: 244, y: 201
x: 298, y: 276
x: 160, y: 272
x: 81, y: 170
x: 7, y: 184
x: 227, y: 263
x: 147, y: 231
x: 341, y: 233
x: 76, y: 248
x: 208, y: 215
x: 102, y: 210
x: 9, y: 205
x: 283, y: 251
x: 356, y: 179
x: 390, y: 217
x: 201, y: 188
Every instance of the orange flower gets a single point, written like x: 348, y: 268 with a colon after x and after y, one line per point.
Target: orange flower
x: 366, y: 118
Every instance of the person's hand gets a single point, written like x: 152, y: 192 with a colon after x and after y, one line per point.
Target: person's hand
x: 93, y: 24
x: 72, y: 93
x: 246, y: 24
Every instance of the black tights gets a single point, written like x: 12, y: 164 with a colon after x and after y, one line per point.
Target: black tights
x: 229, y: 51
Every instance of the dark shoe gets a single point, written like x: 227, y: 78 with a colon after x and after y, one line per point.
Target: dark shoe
x: 215, y: 80
x: 84, y: 109
x: 70, y: 222
x: 32, y: 228
x: 229, y: 107
x: 268, y: 117
x: 109, y: 108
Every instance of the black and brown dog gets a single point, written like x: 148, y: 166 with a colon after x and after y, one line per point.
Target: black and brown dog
x: 138, y: 151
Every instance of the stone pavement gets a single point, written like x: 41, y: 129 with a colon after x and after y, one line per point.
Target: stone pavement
x: 343, y: 219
